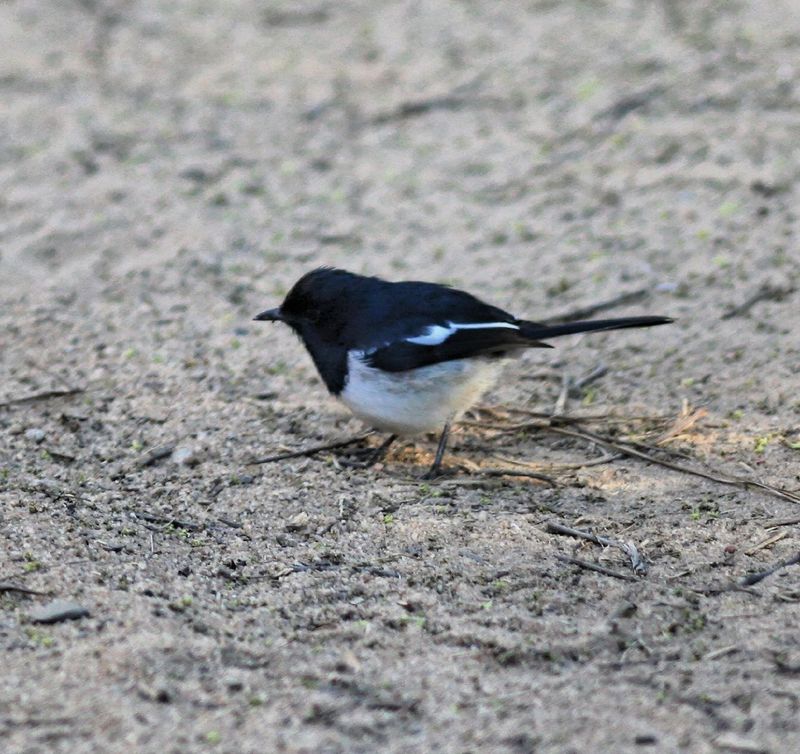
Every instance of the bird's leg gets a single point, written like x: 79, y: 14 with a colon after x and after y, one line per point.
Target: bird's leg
x: 435, y: 468
x: 371, y: 455
x: 380, y: 452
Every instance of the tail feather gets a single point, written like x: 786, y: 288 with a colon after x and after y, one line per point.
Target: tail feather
x: 537, y: 331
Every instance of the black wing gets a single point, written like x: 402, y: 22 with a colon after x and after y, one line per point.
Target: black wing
x: 390, y: 313
x: 462, y: 342
x: 439, y: 343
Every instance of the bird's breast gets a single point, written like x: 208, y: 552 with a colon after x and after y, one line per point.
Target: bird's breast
x: 417, y: 400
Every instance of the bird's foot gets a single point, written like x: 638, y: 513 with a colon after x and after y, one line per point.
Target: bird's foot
x: 438, y: 471
x: 363, y: 458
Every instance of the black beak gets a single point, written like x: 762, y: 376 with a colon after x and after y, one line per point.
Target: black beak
x: 271, y: 315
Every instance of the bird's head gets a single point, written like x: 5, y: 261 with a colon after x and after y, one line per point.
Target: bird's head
x: 316, y: 304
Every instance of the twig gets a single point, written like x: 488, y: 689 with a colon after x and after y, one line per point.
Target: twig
x: 593, y: 567
x: 459, y: 482
x: 607, y: 458
x: 721, y: 652
x: 733, y: 481
x: 765, y: 293
x: 637, y: 562
x: 588, y: 311
x: 754, y: 578
x: 156, y: 454
x: 168, y: 521
x: 310, y: 451
x: 6, y: 587
x: 766, y: 542
x: 571, y: 388
x: 684, y: 422
x: 419, y: 107
x: 508, y: 428
x: 718, y: 477
x: 744, y: 584
x: 645, y: 448
x: 460, y: 97
x: 570, y: 419
x: 561, y: 402
x: 514, y: 472
x: 782, y: 522
x: 627, y: 449
x: 43, y: 396
x: 601, y: 370
x: 630, y: 103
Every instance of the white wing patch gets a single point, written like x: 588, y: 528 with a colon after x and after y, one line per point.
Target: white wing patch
x: 433, y: 335
x: 487, y: 325
x: 436, y: 334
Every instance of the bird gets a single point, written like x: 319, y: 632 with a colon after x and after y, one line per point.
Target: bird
x: 411, y: 357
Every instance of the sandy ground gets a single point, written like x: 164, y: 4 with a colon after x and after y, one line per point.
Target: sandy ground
x: 168, y: 169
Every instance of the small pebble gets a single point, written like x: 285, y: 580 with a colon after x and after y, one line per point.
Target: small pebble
x: 57, y: 611
x: 160, y: 694
x: 666, y: 287
x: 34, y: 434
x: 185, y: 455
x: 233, y: 680
x: 298, y: 522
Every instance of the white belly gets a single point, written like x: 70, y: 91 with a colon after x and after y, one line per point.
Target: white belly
x: 420, y: 400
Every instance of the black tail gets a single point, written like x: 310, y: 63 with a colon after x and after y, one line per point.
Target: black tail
x: 536, y: 331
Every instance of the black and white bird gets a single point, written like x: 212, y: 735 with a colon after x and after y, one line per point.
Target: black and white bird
x: 411, y: 357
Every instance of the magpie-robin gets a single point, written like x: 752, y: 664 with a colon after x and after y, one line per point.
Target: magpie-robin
x: 411, y: 357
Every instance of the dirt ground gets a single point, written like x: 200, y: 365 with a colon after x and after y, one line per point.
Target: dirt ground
x: 168, y: 169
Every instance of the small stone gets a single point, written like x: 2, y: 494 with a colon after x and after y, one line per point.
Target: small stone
x: 233, y: 680
x: 348, y: 663
x: 298, y: 522
x: 163, y: 695
x: 196, y: 173
x: 34, y: 434
x: 185, y: 455
x: 625, y: 609
x: 112, y: 545
x: 57, y: 611
x: 413, y: 603
x: 735, y: 742
x: 158, y: 693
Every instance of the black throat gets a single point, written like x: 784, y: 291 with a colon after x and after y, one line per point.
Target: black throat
x: 329, y: 358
